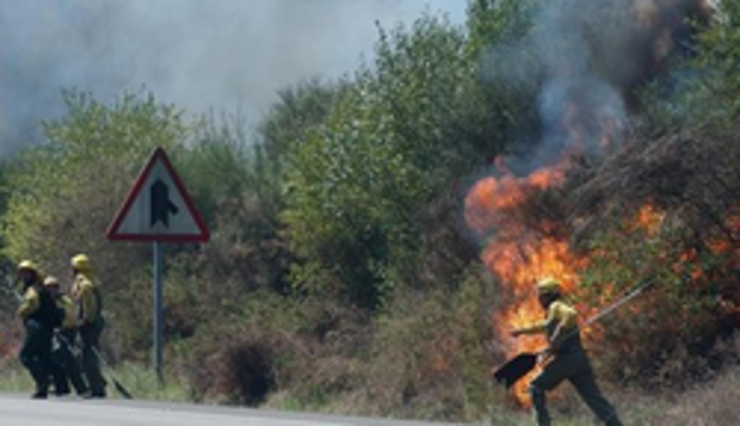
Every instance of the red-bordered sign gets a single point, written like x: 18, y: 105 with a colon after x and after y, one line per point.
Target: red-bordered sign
x: 158, y: 208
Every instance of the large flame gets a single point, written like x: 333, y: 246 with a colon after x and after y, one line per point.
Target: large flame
x: 519, y: 256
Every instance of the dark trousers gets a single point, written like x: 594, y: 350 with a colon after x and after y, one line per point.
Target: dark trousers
x: 90, y: 335
x: 65, y: 365
x: 574, y: 367
x: 35, y: 354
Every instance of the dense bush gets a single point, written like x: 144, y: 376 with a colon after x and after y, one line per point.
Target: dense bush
x: 360, y: 186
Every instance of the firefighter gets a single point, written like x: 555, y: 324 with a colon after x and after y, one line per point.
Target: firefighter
x: 40, y: 316
x: 65, y: 366
x: 86, y: 295
x: 565, y: 358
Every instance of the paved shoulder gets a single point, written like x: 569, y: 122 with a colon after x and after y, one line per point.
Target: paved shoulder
x: 19, y: 411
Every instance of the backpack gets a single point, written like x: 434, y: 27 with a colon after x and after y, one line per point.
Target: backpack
x: 50, y: 313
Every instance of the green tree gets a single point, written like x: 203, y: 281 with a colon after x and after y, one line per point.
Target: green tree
x: 238, y: 189
x: 297, y: 110
x: 365, y: 187
x: 64, y: 193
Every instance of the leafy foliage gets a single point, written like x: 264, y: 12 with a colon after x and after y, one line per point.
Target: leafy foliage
x: 359, y: 185
x: 683, y: 312
x: 53, y: 210
x: 62, y: 195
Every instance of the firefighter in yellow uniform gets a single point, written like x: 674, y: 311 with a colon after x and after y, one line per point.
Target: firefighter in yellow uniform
x: 565, y: 357
x: 65, y: 366
x: 38, y: 313
x: 86, y: 295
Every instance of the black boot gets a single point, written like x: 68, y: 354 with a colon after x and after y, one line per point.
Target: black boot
x: 40, y: 394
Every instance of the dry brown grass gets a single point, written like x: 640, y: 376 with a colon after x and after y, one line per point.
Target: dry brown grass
x: 711, y: 404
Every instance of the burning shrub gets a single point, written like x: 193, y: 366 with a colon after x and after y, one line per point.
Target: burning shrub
x: 681, y: 191
x: 661, y: 210
x: 599, y: 206
x: 527, y: 212
x: 668, y: 336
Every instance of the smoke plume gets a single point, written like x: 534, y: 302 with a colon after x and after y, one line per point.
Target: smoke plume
x: 197, y: 54
x: 589, y: 59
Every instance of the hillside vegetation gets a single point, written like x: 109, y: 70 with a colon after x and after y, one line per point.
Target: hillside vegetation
x: 353, y: 266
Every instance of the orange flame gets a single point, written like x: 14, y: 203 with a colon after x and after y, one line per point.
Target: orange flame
x: 649, y: 219
x: 519, y: 265
x: 518, y: 256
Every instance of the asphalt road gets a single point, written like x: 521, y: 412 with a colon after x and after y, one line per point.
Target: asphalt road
x: 18, y: 410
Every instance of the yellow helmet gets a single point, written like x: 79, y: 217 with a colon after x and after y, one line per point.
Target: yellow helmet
x: 28, y: 265
x: 51, y: 281
x: 81, y: 262
x: 548, y: 285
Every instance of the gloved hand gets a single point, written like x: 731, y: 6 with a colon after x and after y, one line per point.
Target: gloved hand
x: 545, y: 354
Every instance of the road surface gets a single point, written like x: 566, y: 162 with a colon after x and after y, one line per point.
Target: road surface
x: 17, y: 410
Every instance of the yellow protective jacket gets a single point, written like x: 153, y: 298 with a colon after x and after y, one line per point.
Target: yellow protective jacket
x: 70, y: 316
x: 561, y: 320
x: 85, y: 294
x: 30, y: 304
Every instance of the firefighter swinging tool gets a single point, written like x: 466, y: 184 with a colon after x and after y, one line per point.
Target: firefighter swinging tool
x: 518, y: 367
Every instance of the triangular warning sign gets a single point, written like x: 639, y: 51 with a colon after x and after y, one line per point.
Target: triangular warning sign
x: 158, y: 208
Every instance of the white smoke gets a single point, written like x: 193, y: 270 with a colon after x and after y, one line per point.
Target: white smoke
x: 197, y: 54
x: 580, y: 54
x: 587, y: 61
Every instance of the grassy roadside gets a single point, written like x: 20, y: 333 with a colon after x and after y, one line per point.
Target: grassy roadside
x: 713, y: 403
x: 140, y: 381
x: 14, y: 378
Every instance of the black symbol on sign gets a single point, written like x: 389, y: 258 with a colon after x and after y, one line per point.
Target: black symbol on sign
x: 162, y: 206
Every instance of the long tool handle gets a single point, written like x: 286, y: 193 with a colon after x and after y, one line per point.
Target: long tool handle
x: 120, y: 388
x: 631, y: 294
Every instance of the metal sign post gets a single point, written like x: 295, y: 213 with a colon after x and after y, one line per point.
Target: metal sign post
x: 158, y: 313
x: 158, y: 209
